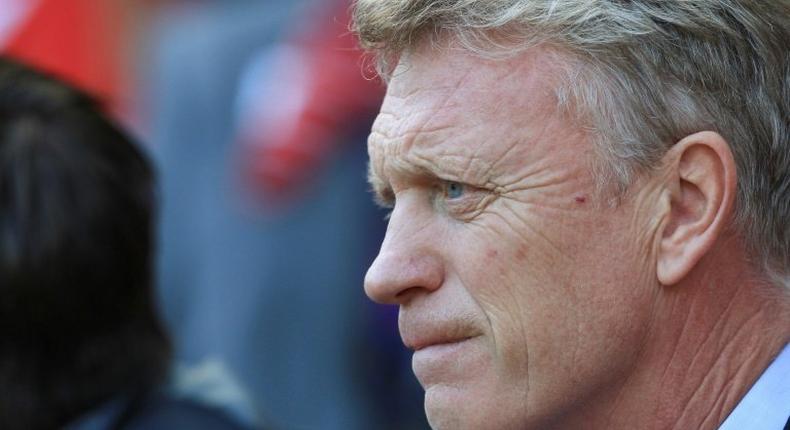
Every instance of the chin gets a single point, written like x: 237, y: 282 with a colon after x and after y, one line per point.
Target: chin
x: 464, y: 408
x: 447, y: 408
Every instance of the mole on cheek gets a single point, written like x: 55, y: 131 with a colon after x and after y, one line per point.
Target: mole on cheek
x: 521, y: 254
x: 581, y: 199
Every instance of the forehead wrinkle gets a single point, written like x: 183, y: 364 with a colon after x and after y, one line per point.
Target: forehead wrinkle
x: 389, y: 165
x: 421, y: 86
x: 401, y: 124
x: 399, y: 156
x: 460, y: 158
x: 411, y: 169
x: 408, y: 133
x: 477, y: 163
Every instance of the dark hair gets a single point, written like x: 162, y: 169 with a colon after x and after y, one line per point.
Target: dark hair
x: 77, y: 319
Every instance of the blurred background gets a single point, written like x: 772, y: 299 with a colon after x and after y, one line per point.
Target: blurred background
x: 256, y: 114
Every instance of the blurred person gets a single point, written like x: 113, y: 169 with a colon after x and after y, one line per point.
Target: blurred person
x: 84, y: 42
x: 320, y: 95
x: 267, y: 226
x: 302, y: 103
x: 590, y: 222
x: 81, y: 346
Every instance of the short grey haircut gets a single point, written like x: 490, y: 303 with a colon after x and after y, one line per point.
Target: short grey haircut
x: 646, y: 74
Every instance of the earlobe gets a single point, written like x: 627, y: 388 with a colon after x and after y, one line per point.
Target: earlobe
x: 702, y: 186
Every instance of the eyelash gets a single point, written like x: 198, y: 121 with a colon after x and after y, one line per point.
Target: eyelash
x: 386, y: 200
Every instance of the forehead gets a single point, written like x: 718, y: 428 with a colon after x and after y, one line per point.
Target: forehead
x: 451, y: 109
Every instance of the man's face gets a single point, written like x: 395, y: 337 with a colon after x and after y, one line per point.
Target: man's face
x: 523, y: 294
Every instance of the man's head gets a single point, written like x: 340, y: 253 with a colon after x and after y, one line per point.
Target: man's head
x: 560, y: 173
x: 77, y: 322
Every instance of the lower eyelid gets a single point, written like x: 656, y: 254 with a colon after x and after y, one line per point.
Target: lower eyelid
x: 473, y: 200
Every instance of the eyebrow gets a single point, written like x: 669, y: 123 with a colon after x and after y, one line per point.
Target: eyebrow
x: 382, y: 190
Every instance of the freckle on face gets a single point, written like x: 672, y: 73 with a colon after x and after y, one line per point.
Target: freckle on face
x: 521, y: 254
x: 492, y: 253
x: 581, y: 199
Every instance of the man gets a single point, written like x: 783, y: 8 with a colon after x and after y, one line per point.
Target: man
x: 591, y: 209
x: 81, y: 346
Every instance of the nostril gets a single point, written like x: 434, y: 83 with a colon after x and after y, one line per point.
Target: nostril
x: 404, y: 296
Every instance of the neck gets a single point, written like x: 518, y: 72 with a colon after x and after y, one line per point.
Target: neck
x: 711, y: 338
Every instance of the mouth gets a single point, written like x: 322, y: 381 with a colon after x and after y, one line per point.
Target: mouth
x: 419, y: 333
x: 448, y: 360
x: 419, y: 345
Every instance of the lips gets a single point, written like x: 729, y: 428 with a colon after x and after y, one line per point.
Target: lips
x: 444, y: 357
x: 421, y: 333
x: 417, y: 345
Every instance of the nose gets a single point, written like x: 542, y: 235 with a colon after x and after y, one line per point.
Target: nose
x: 409, y: 262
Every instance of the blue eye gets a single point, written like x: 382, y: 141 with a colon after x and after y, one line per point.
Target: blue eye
x: 453, y: 190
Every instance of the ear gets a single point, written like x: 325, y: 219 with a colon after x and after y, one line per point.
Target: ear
x: 702, y: 187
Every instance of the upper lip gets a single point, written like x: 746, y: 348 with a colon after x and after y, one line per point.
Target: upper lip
x: 417, y: 335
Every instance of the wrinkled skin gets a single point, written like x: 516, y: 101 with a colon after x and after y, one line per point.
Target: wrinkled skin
x: 524, y: 293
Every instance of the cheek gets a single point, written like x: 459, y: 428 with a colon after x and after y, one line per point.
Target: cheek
x: 594, y: 313
x: 565, y: 302
x: 493, y: 273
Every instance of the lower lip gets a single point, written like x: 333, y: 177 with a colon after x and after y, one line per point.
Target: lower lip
x: 440, y: 357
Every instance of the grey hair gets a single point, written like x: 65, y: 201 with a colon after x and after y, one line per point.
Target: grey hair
x: 646, y: 74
